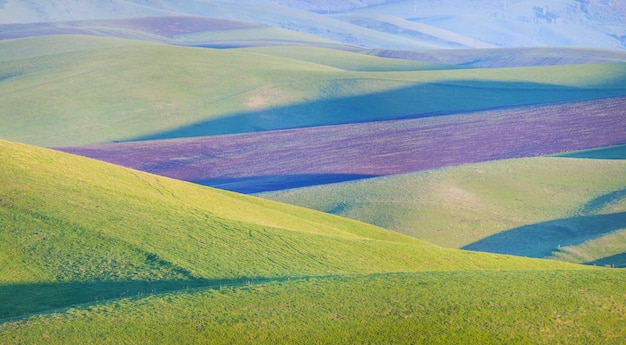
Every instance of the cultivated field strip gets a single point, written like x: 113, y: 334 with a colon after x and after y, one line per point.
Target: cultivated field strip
x: 274, y: 160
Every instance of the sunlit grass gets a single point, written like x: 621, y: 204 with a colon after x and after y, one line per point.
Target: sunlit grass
x: 520, y: 307
x: 70, y: 220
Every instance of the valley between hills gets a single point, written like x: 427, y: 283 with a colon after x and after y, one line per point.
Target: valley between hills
x: 287, y: 172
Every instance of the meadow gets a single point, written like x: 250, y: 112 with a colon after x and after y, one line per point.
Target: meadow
x: 71, y: 223
x: 564, y: 208
x: 95, y: 90
x: 487, y: 307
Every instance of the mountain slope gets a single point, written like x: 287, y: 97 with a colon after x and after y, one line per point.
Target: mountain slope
x: 416, y: 24
x: 72, y: 224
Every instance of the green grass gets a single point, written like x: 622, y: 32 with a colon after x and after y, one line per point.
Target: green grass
x: 105, y: 89
x: 482, y: 307
x: 457, y: 206
x: 69, y: 220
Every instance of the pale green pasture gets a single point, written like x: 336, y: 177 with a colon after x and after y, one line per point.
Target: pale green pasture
x: 471, y: 201
x: 56, y: 95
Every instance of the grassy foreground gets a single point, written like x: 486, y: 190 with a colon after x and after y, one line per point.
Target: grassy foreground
x: 480, y: 307
x: 76, y: 230
x: 93, y: 253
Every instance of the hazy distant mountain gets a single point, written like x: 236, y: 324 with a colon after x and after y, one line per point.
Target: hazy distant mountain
x: 398, y: 24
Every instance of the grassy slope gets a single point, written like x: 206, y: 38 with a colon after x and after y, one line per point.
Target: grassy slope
x: 143, y: 90
x: 486, y: 307
x: 72, y: 224
x: 457, y: 206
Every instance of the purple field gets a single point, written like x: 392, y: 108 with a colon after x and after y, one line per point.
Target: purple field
x: 509, y: 57
x: 274, y: 160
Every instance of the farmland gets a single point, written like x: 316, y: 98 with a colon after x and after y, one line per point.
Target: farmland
x: 277, y: 160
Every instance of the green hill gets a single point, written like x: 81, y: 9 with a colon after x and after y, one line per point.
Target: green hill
x: 573, y: 208
x: 479, y: 307
x: 75, y: 90
x: 76, y: 230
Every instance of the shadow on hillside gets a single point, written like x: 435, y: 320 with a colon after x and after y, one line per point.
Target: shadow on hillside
x: 261, y: 184
x: 541, y: 239
x: 613, y: 153
x: 616, y: 261
x: 416, y: 101
x: 597, y: 204
x: 22, y: 300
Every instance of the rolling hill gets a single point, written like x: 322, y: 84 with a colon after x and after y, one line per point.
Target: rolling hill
x: 391, y: 24
x: 451, y: 240
x: 565, y: 208
x: 93, y: 253
x: 74, y: 223
x: 94, y: 90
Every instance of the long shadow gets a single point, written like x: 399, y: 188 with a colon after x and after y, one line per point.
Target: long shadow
x: 24, y: 299
x: 613, y: 153
x: 541, y: 239
x: 416, y: 101
x: 260, y: 184
x: 597, y: 204
x: 616, y: 261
